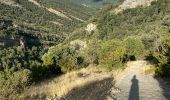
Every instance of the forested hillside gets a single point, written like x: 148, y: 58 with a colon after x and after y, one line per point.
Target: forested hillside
x: 41, y: 38
x: 110, y: 39
x: 27, y: 29
x: 56, y: 18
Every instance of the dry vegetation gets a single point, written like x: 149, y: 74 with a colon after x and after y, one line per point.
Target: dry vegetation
x: 149, y: 70
x: 62, y: 85
x: 58, y: 13
x: 54, y: 11
x: 10, y: 3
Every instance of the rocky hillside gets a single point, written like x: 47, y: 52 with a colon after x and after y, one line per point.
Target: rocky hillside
x: 53, y: 20
x: 95, y: 3
x: 133, y: 4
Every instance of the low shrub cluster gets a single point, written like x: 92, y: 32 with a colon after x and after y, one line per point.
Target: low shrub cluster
x: 13, y: 83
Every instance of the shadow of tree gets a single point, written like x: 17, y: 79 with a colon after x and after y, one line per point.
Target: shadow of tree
x: 152, y: 59
x: 163, y: 70
x: 163, y: 83
x: 97, y: 90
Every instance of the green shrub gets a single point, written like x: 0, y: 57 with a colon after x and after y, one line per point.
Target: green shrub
x: 149, y: 42
x: 12, y: 84
x: 64, y: 57
x: 134, y: 46
x: 90, y: 54
x: 163, y: 57
x: 111, y: 54
x: 163, y: 70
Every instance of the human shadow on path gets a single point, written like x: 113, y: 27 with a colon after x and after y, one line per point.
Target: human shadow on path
x: 134, y: 90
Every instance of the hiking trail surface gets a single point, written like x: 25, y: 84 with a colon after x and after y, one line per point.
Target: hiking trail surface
x: 135, y: 85
x: 132, y: 84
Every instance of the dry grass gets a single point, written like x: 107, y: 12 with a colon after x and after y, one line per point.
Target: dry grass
x: 58, y: 13
x: 149, y: 70
x: 62, y: 85
x: 54, y: 11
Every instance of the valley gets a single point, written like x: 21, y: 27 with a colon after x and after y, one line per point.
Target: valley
x: 56, y: 49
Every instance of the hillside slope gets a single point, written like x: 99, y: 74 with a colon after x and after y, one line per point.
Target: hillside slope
x: 27, y: 29
x: 53, y: 17
x: 110, y: 39
x: 133, y: 4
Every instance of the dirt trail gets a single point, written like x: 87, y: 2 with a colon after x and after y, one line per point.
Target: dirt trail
x: 135, y: 85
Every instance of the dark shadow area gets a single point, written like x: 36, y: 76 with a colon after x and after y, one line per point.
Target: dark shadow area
x: 132, y: 58
x: 97, y: 0
x: 127, y: 58
x: 8, y: 42
x: 44, y: 73
x: 134, y: 90
x: 150, y: 58
x: 97, y: 90
x: 162, y: 72
x: 165, y: 85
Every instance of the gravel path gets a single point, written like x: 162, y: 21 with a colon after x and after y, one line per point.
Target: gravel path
x: 137, y: 86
